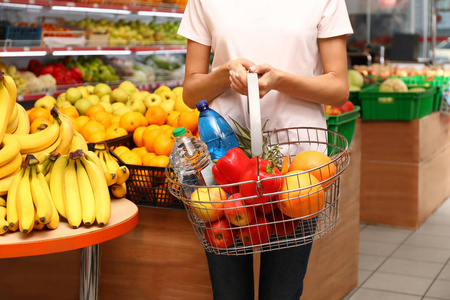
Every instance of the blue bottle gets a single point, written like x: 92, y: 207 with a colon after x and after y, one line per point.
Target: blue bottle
x: 215, y: 131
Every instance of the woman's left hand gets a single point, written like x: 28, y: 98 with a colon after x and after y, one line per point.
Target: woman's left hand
x: 268, y: 77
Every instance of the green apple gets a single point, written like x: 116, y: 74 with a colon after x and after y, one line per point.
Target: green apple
x: 136, y: 104
x: 73, y: 95
x: 152, y: 100
x: 82, y: 105
x: 117, y: 105
x: 62, y: 104
x: 94, y: 99
x: 168, y: 105
x: 84, y: 91
x: 90, y: 89
x: 128, y: 86
x: 178, y: 90
x: 61, y: 97
x: 102, y: 89
x: 45, y: 102
x: 119, y: 95
x: 166, y: 95
x: 120, y: 111
x: 108, y: 106
x: 105, y: 98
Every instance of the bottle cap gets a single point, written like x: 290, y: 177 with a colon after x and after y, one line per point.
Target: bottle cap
x: 202, y: 105
x: 179, y: 131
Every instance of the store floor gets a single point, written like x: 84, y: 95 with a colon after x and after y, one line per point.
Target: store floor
x: 405, y: 264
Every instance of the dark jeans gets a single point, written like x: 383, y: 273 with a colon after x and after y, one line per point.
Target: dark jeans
x: 281, y: 274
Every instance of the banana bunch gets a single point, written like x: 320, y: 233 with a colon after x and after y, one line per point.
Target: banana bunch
x: 116, y: 175
x: 79, y: 189
x: 8, y: 96
x: 3, y: 223
x: 29, y: 201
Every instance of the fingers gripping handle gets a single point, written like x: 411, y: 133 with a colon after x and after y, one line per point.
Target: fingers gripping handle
x: 255, y: 113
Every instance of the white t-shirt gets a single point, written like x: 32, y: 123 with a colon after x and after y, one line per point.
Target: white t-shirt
x: 282, y: 33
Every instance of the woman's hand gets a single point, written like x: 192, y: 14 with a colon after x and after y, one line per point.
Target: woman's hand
x: 238, y: 74
x: 268, y: 77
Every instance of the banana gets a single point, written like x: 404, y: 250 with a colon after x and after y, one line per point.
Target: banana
x: 12, y: 167
x: 41, y: 199
x: 122, y: 172
x: 41, y: 155
x: 78, y: 142
x: 11, y: 86
x: 24, y: 123
x: 90, y: 155
x: 25, y: 205
x: 111, y: 177
x: 101, y: 192
x: 87, y: 194
x: 2, y: 202
x: 13, y: 121
x: 37, y: 224
x: 3, y: 223
x: 40, y: 140
x: 73, y: 200
x: 10, y: 147
x: 119, y: 190
x: 12, y: 198
x: 66, y: 134
x: 54, y: 221
x: 14, y: 113
x: 5, y: 184
x: 57, y: 187
x: 5, y: 107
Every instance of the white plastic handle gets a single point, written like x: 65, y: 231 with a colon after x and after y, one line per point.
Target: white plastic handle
x: 254, y: 108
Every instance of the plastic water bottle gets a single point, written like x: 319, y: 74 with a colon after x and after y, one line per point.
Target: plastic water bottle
x: 215, y: 131
x: 191, y: 161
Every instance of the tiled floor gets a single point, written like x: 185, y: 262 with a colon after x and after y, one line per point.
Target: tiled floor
x: 405, y: 264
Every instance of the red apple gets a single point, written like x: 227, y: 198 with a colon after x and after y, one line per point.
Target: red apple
x: 348, y: 106
x: 220, y: 234
x: 282, y: 224
x: 237, y: 212
x: 257, y: 232
x: 335, y: 111
x: 328, y: 109
x: 207, y: 203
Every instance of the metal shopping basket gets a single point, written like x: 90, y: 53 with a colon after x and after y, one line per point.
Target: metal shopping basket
x: 299, y: 211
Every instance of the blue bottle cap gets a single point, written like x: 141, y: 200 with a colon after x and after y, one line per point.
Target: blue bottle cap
x: 202, y: 105
x: 179, y: 131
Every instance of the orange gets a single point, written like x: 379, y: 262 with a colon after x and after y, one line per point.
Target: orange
x: 37, y: 124
x: 115, y: 119
x: 120, y: 149
x: 156, y: 115
x: 137, y: 136
x: 148, y: 138
x: 142, y: 151
x: 91, y: 127
x: 144, y: 121
x: 39, y: 113
x: 131, y: 158
x: 305, y: 202
x: 114, y: 131
x: 167, y: 128
x: 285, y: 165
x: 70, y: 111
x: 82, y: 120
x: 102, y: 117
x: 147, y: 158
x: 320, y: 164
x: 160, y: 161
x: 188, y: 120
x: 130, y: 121
x: 163, y: 143
x: 172, y: 118
x: 76, y: 127
x: 98, y: 136
x: 94, y: 109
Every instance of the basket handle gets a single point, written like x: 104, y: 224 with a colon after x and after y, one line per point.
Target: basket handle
x: 254, y: 110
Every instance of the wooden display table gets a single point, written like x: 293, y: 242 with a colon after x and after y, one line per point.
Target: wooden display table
x: 124, y: 217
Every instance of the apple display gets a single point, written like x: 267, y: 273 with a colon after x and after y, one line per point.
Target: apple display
x: 152, y: 100
x: 237, y: 212
x: 348, y: 106
x: 207, y: 203
x: 257, y: 232
x: 220, y: 234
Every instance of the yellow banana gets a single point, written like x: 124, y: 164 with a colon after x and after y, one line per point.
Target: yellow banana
x: 5, y: 108
x: 119, y: 190
x: 5, y: 184
x: 78, y: 142
x: 41, y: 155
x: 87, y: 194
x: 73, y: 200
x: 2, y: 202
x: 24, y: 122
x: 25, y: 205
x: 40, y: 140
x: 101, y: 192
x: 90, y: 155
x: 3, y: 223
x: 57, y: 187
x: 123, y: 173
x: 13, y: 121
x: 11, y: 86
x: 10, y: 148
x: 12, y: 167
x: 111, y: 177
x: 14, y: 113
x: 37, y: 224
x: 66, y: 133
x: 54, y: 221
x: 41, y: 199
x: 11, y: 207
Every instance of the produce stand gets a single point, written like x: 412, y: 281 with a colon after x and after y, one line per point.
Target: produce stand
x: 124, y: 217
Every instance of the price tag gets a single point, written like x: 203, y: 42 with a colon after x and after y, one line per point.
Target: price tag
x: 26, y: 49
x: 6, y: 1
x: 69, y: 48
x: 95, y: 5
x: 31, y: 2
x: 71, y: 4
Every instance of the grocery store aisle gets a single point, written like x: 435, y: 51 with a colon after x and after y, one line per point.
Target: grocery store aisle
x: 405, y: 264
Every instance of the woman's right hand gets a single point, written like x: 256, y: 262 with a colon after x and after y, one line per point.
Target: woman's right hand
x: 238, y: 74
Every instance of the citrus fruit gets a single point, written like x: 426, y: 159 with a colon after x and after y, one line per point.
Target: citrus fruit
x: 120, y: 149
x: 131, y: 158
x: 130, y: 121
x: 146, y: 159
x: 97, y: 136
x: 114, y: 131
x: 38, y: 124
x: 90, y: 128
x: 81, y: 121
x: 148, y: 138
x: 142, y: 151
x: 102, y: 117
x: 188, y: 120
x: 70, y: 111
x: 156, y: 115
x: 94, y: 109
x: 298, y: 199
x: 39, y: 113
x: 160, y: 161
x: 137, y: 136
x: 163, y: 143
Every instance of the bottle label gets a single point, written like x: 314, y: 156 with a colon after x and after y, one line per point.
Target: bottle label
x: 208, y: 175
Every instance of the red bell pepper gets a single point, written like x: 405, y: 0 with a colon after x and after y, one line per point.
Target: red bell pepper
x: 259, y: 169
x: 228, y: 169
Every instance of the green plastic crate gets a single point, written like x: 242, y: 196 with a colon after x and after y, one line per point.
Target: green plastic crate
x: 343, y: 124
x: 396, y: 106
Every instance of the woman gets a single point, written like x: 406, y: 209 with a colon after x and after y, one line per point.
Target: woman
x: 298, y: 49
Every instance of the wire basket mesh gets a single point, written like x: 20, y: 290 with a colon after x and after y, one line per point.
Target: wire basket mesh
x: 302, y: 208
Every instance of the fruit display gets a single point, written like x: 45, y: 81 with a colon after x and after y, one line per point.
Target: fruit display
x: 334, y: 111
x: 48, y: 172
x: 59, y: 70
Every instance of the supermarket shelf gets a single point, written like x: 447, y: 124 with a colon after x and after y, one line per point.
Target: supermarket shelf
x: 113, y: 6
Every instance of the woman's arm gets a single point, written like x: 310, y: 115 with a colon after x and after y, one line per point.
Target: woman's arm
x: 199, y: 83
x: 330, y: 88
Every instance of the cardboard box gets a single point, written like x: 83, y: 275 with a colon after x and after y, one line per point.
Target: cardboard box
x: 413, y: 141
